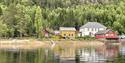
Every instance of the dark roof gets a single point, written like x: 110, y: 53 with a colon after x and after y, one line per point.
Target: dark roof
x: 93, y: 25
x: 103, y: 31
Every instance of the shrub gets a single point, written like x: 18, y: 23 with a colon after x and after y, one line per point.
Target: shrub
x: 86, y: 38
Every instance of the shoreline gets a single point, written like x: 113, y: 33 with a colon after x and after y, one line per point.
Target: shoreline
x: 22, y: 44
x: 34, y: 44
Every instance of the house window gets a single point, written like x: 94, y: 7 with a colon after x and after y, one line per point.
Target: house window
x: 64, y: 34
x: 86, y: 29
x: 72, y: 34
x: 92, y: 29
x: 106, y: 35
x: 112, y: 34
x: 69, y: 34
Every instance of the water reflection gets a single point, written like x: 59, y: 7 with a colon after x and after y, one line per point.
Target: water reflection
x: 101, y: 54
x: 122, y: 50
x: 24, y: 56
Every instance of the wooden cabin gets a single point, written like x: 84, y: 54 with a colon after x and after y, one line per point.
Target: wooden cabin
x: 107, y: 34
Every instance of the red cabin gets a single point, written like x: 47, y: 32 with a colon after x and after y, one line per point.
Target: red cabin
x: 106, y: 34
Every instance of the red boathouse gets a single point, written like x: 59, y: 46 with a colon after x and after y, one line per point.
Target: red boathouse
x: 106, y: 34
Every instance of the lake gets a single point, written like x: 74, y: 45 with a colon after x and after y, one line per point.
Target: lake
x: 101, y: 54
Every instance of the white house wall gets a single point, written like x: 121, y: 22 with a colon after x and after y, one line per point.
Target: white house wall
x: 87, y: 31
x: 102, y: 29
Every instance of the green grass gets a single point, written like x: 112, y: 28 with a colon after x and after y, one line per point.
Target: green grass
x: 85, y: 38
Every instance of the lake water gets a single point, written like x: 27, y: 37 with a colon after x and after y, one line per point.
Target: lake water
x: 101, y: 54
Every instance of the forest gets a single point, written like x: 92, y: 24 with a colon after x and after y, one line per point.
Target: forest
x: 27, y: 18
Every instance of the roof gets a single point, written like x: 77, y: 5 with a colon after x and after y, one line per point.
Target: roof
x: 67, y: 28
x: 93, y: 25
x: 103, y: 31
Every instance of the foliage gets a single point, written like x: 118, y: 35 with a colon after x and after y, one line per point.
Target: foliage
x: 86, y: 38
x: 22, y: 18
x: 3, y: 29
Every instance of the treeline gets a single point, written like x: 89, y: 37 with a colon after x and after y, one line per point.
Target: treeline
x: 25, y: 18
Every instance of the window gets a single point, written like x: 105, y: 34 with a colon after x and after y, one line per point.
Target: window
x: 106, y: 35
x: 64, y: 34
x: 92, y: 29
x: 69, y: 34
x: 72, y: 34
x: 86, y: 29
x: 111, y: 34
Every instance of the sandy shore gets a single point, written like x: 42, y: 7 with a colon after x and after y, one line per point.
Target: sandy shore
x: 22, y: 44
x: 32, y: 44
x: 80, y: 43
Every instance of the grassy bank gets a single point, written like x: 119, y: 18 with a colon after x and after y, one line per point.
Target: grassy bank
x: 34, y: 43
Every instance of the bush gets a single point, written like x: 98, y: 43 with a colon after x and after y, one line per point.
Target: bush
x: 86, y: 38
x: 56, y: 37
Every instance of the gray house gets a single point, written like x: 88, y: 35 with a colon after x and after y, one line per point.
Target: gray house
x: 90, y: 28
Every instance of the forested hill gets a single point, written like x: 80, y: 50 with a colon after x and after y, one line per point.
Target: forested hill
x: 20, y: 18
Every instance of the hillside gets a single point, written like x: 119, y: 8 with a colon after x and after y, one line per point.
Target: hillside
x: 25, y: 18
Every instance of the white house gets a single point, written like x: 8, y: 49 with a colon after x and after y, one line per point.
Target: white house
x: 90, y: 28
